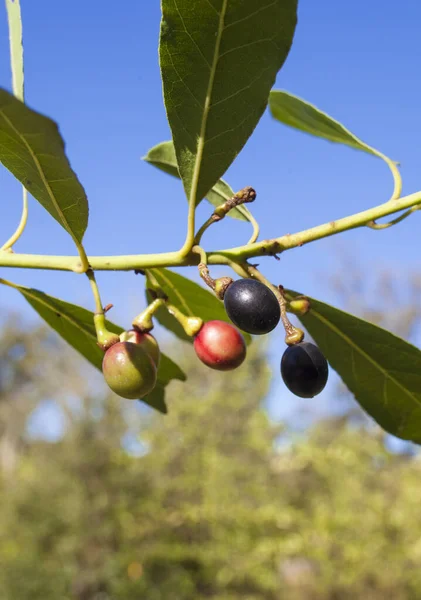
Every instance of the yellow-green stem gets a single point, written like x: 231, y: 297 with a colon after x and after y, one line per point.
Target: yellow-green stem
x: 9, y: 284
x: 104, y: 337
x: 201, y: 253
x: 191, y: 325
x: 203, y: 228
x: 95, y: 291
x: 22, y: 223
x: 219, y: 257
x: 256, y: 229
x: 143, y: 321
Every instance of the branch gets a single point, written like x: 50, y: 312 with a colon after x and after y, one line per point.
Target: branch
x: 288, y: 241
x: 220, y: 257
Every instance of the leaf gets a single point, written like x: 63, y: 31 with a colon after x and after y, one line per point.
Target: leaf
x: 163, y: 157
x: 219, y: 59
x: 168, y: 370
x: 380, y: 369
x: 299, y: 114
x: 32, y: 149
x: 14, y: 18
x: 189, y: 297
x: 75, y: 325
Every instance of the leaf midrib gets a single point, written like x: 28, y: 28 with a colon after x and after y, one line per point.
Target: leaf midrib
x: 43, y: 178
x: 356, y: 143
x: 367, y: 356
x: 26, y: 292
x: 206, y: 107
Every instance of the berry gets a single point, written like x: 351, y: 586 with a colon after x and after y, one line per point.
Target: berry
x: 220, y: 346
x: 304, y: 370
x: 129, y: 370
x: 252, y: 306
x: 145, y: 340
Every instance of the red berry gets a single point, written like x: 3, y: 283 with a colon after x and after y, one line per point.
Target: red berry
x: 220, y: 346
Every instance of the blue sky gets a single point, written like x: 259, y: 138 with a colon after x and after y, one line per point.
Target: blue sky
x: 93, y: 67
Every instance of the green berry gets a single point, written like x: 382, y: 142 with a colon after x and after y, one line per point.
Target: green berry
x: 129, y: 370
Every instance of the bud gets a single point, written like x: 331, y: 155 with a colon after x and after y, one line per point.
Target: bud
x: 299, y: 306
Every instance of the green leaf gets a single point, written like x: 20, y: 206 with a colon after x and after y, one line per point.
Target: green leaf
x: 168, y: 370
x: 32, y: 149
x: 163, y: 157
x: 75, y: 325
x: 14, y: 18
x: 299, y: 114
x: 219, y: 59
x: 189, y: 297
x: 380, y: 369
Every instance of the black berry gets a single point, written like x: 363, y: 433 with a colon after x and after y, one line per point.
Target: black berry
x: 304, y: 370
x: 252, y: 306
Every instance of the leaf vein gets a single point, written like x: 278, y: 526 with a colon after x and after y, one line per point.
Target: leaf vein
x: 242, y: 90
x: 213, y: 138
x: 248, y: 45
x: 251, y: 15
x: 190, y: 36
x: 357, y: 348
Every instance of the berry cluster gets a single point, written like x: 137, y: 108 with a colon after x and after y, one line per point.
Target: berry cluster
x: 254, y: 308
x: 130, y: 365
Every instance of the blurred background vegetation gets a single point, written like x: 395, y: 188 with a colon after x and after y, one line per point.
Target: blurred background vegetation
x: 214, y: 500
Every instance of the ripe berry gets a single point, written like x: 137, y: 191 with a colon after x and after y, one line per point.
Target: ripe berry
x: 304, y: 370
x: 220, y: 346
x: 145, y: 340
x: 129, y: 370
x: 252, y: 306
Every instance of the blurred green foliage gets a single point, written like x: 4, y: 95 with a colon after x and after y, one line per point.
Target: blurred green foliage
x: 211, y: 501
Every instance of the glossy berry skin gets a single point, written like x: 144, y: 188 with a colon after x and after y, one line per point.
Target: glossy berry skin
x: 146, y: 341
x: 129, y: 370
x: 220, y: 346
x: 252, y: 306
x: 304, y: 370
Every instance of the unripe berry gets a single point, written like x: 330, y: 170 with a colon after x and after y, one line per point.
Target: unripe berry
x: 129, y: 370
x: 304, y: 370
x: 299, y: 306
x: 145, y: 340
x: 220, y: 346
x: 252, y: 306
